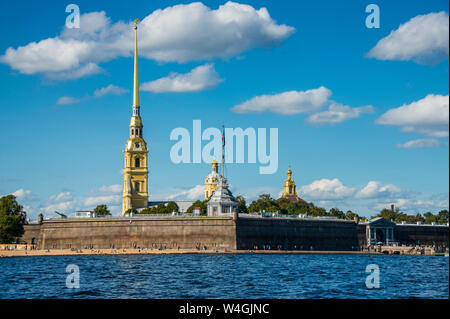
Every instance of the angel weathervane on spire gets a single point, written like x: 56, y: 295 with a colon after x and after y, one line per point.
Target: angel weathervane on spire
x: 135, y: 23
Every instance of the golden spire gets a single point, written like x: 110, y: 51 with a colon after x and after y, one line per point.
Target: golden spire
x: 136, y: 79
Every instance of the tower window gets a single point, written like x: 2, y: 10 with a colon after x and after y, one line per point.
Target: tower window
x: 137, y: 162
x: 132, y: 131
x: 136, y: 186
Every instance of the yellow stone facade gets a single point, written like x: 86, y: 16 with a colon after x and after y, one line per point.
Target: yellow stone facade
x: 212, y: 180
x: 135, y: 174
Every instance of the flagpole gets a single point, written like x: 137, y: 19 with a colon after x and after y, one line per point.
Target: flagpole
x: 223, y: 150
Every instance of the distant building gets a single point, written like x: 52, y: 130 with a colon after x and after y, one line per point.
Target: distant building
x: 222, y: 201
x: 382, y: 231
x: 289, y: 190
x: 84, y: 214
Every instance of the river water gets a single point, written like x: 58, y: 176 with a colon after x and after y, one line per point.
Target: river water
x: 224, y: 276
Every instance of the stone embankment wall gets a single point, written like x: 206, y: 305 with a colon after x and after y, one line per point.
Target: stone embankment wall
x: 422, y: 234
x: 149, y: 232
x: 296, y: 234
x: 216, y: 233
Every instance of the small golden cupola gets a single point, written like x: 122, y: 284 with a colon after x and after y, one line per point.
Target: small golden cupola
x: 289, y: 190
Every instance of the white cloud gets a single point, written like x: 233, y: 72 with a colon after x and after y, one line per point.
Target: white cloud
x: 107, y: 195
x: 110, y: 89
x: 201, y: 33
x: 111, y: 189
x: 61, y: 197
x: 370, y: 199
x: 24, y: 195
x: 287, y: 103
x: 49, y: 55
x: 194, y: 193
x: 421, y: 143
x: 63, y: 202
x: 423, y: 39
x: 180, y: 33
x: 67, y: 203
x: 85, y: 70
x: 374, y: 189
x: 296, y: 102
x: 415, y: 205
x: 201, y: 78
x: 62, y: 207
x: 338, y: 113
x: 326, y: 189
x: 63, y: 100
x: 179, y: 193
x: 429, y: 115
x: 93, y: 201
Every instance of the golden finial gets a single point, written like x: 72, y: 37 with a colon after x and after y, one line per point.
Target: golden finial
x: 136, y: 22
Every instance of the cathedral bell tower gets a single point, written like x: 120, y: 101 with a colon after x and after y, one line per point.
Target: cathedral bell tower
x: 135, y: 174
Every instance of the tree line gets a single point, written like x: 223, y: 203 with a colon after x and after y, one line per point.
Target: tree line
x: 266, y: 203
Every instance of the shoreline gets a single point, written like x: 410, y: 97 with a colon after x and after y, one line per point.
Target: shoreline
x: 110, y: 252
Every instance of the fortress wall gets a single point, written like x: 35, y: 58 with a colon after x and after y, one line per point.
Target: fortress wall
x: 150, y: 232
x: 362, y: 239
x: 216, y: 233
x: 421, y: 234
x: 31, y: 234
x: 294, y: 233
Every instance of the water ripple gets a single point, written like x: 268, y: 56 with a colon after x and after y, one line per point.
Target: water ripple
x: 225, y: 276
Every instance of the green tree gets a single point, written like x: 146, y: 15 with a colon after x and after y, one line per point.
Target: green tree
x: 388, y: 214
x: 145, y: 211
x: 160, y: 209
x: 12, y: 219
x: 336, y: 212
x: 419, y: 218
x: 283, y: 205
x: 198, y: 203
x: 350, y: 215
x: 317, y: 211
x: 264, y: 203
x: 443, y: 216
x: 430, y: 218
x: 172, y: 207
x: 102, y: 210
x: 242, y: 205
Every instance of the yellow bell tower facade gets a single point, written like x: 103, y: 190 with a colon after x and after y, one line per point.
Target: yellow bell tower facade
x: 135, y: 174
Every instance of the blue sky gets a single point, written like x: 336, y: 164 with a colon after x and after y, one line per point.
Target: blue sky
x: 67, y: 156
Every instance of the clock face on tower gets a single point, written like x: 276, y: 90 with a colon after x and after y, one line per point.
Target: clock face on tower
x: 137, y: 145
